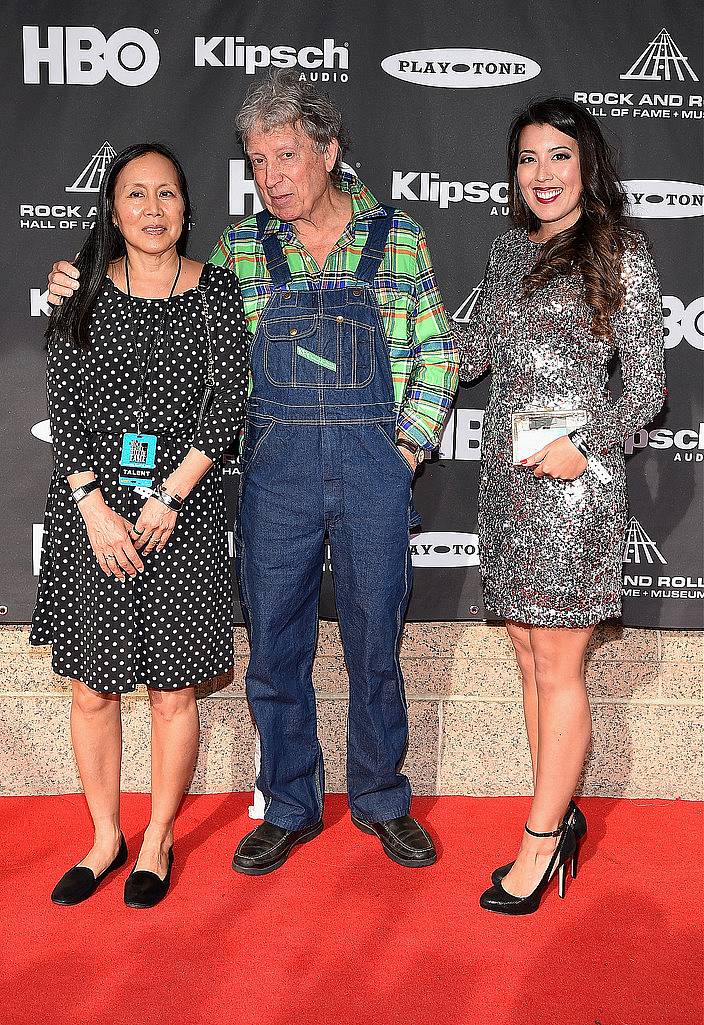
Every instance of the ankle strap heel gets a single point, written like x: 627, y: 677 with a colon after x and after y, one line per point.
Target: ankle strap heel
x: 543, y: 836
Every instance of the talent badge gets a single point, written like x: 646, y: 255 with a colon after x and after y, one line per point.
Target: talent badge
x: 138, y: 460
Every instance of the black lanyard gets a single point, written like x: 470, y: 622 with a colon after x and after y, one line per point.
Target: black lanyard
x: 143, y: 372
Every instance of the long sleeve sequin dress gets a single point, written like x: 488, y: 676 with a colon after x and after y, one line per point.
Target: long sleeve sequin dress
x: 551, y: 550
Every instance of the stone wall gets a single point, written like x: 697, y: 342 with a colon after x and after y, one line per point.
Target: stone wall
x: 465, y: 716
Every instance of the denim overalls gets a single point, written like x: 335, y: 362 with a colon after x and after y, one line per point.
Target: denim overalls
x: 320, y: 457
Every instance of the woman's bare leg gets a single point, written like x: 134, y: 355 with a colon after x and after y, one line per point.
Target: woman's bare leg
x: 96, y: 734
x: 520, y: 638
x: 175, y: 733
x: 564, y: 733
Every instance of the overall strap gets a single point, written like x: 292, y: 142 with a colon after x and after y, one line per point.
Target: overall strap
x: 276, y: 262
x: 373, y: 252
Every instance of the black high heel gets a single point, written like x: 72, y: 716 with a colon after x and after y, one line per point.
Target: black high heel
x: 580, y: 831
x: 145, y: 889
x: 499, y: 900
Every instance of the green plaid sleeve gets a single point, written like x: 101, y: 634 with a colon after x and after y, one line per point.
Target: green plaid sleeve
x: 434, y: 375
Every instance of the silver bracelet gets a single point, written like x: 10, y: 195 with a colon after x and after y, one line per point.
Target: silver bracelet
x: 172, y: 502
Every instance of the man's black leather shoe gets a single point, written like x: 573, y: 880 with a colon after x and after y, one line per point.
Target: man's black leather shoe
x: 267, y: 847
x: 79, y: 883
x: 404, y: 840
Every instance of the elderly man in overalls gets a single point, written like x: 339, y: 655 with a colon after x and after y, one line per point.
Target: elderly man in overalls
x: 353, y: 374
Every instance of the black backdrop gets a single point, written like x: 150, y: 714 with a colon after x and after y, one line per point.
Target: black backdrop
x: 428, y: 99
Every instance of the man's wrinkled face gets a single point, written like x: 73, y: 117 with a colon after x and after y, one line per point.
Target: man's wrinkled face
x: 290, y: 173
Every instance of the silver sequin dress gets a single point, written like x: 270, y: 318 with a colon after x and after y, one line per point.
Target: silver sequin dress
x: 551, y: 550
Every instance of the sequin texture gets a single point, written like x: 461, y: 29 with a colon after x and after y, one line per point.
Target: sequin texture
x: 551, y: 550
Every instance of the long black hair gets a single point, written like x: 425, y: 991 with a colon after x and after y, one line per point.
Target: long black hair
x: 69, y: 322
x: 594, y: 245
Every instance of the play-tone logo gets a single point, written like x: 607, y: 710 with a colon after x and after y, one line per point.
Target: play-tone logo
x: 460, y: 68
x: 661, y: 60
x: 653, y: 197
x: 84, y: 56
x: 444, y: 548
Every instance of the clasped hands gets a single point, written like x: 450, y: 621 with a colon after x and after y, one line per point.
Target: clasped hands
x: 559, y: 460
x: 116, y: 542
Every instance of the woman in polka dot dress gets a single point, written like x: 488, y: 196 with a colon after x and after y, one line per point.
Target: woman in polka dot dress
x: 136, y: 587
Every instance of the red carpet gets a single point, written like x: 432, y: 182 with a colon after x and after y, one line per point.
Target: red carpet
x: 340, y: 934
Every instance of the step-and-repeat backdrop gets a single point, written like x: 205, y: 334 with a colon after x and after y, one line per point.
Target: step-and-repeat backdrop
x: 428, y: 91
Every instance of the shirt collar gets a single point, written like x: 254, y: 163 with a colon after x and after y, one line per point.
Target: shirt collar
x: 364, y: 205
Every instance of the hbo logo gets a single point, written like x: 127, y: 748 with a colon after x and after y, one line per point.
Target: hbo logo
x: 683, y: 321
x: 83, y: 56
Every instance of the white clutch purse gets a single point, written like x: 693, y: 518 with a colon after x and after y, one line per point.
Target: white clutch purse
x: 531, y: 429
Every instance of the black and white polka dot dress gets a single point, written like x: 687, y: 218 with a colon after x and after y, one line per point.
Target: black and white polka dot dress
x: 170, y: 626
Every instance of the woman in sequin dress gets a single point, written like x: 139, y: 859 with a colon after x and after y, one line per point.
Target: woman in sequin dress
x: 564, y: 291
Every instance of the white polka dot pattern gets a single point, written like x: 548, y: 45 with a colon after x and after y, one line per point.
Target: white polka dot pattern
x: 170, y: 626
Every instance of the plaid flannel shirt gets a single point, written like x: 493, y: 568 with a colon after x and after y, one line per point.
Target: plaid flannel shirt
x: 424, y: 360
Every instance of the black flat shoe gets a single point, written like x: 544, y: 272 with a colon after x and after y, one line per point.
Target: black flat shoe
x: 499, y: 900
x: 145, y: 889
x: 404, y: 840
x: 580, y: 831
x: 268, y: 846
x: 79, y: 883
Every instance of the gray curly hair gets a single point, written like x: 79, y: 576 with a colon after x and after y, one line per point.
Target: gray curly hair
x: 284, y: 100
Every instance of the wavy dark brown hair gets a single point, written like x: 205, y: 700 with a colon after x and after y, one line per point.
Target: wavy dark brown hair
x: 595, y: 244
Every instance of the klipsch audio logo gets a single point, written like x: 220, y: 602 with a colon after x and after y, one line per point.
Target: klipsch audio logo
x: 460, y: 68
x: 685, y: 445
x: 429, y: 187
x: 84, y: 56
x: 326, y: 63
x: 652, y: 197
x: 661, y: 61
x: 69, y: 215
x: 640, y: 550
x: 444, y: 548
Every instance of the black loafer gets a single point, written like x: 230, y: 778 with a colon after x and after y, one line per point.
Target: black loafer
x: 404, y: 841
x: 145, y: 889
x: 268, y: 846
x: 80, y: 883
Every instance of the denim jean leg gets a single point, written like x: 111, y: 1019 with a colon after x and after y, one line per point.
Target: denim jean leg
x: 373, y: 578
x: 280, y: 560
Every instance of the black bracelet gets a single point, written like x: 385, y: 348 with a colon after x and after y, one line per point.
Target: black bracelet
x: 579, y: 443
x: 78, y: 494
